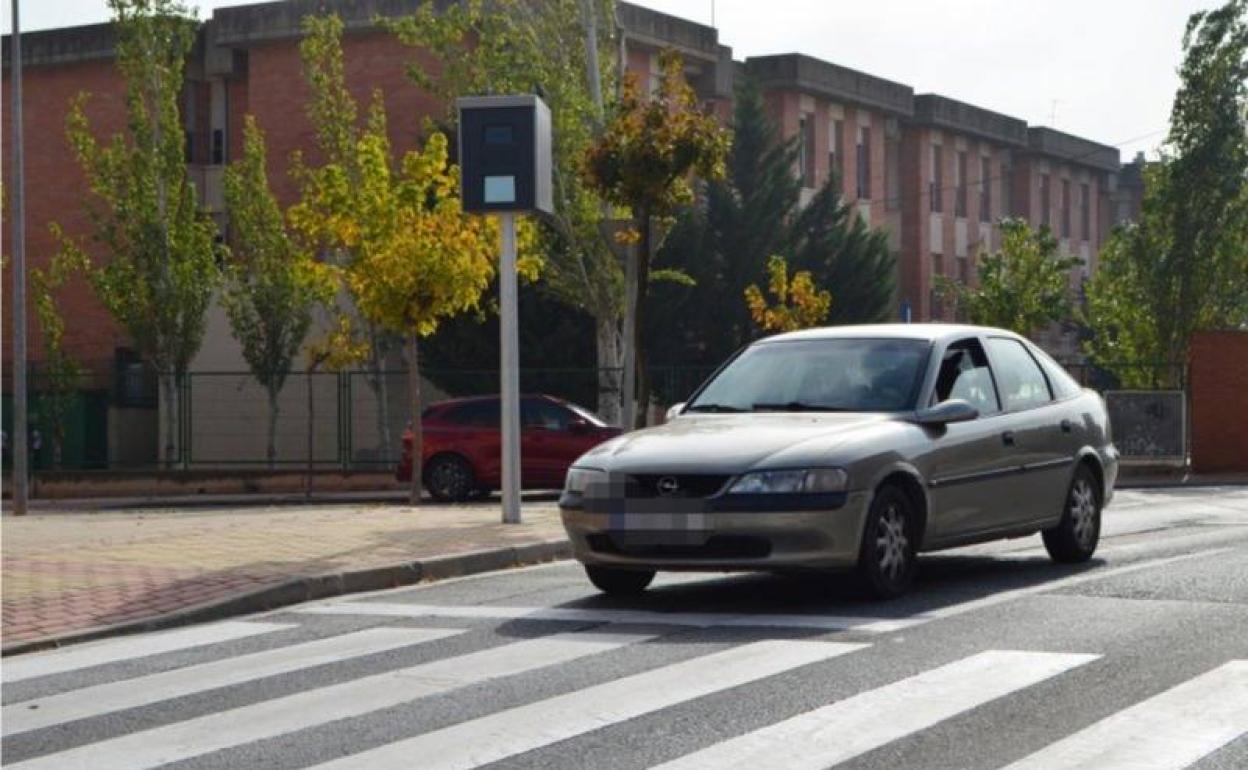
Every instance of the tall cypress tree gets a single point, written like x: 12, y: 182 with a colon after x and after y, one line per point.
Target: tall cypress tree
x: 723, y: 243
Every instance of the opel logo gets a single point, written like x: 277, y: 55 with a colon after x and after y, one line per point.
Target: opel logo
x: 668, y: 486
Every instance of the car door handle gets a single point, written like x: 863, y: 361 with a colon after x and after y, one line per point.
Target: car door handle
x: 1066, y: 426
x: 1007, y: 438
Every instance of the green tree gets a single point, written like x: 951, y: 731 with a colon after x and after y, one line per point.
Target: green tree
x: 723, y: 245
x: 1023, y: 287
x: 159, y: 270
x: 270, y: 287
x: 417, y: 257
x: 799, y: 303
x: 334, y: 116
x: 645, y: 161
x: 833, y: 242
x: 61, y: 373
x: 1187, y: 258
x: 516, y: 46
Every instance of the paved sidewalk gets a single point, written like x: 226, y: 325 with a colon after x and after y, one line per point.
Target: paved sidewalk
x: 66, y: 573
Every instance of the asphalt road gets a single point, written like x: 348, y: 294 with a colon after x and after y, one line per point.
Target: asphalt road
x: 999, y: 659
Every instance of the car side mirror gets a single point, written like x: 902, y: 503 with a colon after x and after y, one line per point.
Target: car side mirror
x: 673, y: 411
x: 953, y: 410
x: 578, y: 425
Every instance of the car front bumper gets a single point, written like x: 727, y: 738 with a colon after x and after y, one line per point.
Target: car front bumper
x: 718, y: 539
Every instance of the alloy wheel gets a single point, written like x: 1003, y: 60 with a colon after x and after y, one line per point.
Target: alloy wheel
x: 891, y: 543
x: 1082, y: 507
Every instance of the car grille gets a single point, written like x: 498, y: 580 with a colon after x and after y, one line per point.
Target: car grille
x: 717, y: 547
x: 687, y: 485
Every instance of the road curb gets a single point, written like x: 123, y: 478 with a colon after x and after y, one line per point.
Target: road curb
x: 315, y: 587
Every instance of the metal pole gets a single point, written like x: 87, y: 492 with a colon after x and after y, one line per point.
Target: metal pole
x: 629, y: 375
x: 19, y: 437
x: 509, y: 344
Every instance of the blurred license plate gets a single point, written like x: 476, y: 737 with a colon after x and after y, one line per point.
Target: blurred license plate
x: 660, y: 522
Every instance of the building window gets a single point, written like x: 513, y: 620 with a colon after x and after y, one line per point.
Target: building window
x: 1065, y: 208
x: 218, y: 146
x: 1085, y: 212
x: 864, y: 163
x: 959, y: 181
x: 936, y: 298
x: 892, y: 174
x: 806, y: 153
x: 1046, y: 206
x: 936, y: 186
x: 836, y: 154
x: 1007, y: 190
x: 985, y: 189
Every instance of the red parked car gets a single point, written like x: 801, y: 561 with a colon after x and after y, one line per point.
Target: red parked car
x: 462, y: 444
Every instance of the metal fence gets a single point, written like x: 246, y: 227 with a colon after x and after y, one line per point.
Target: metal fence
x: 355, y: 419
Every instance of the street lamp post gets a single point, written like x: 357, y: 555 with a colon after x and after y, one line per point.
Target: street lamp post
x: 18, y: 218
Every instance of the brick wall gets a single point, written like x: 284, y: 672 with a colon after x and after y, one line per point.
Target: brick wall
x: 1219, y: 401
x: 55, y: 192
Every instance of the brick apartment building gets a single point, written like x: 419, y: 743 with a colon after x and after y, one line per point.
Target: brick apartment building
x: 934, y: 172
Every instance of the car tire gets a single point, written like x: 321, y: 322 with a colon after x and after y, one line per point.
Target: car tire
x: 888, y: 558
x: 1075, y: 537
x: 616, y: 581
x: 450, y: 479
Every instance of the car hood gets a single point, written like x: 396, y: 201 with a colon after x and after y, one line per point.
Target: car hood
x: 733, y: 443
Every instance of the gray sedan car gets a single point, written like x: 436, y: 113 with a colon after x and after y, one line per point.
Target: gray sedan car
x: 854, y: 447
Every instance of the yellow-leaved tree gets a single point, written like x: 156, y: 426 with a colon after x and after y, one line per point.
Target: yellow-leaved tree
x: 417, y: 258
x: 799, y: 303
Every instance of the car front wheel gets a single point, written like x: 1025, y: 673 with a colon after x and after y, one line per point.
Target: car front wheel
x: 615, y: 581
x: 1075, y: 537
x: 888, y: 558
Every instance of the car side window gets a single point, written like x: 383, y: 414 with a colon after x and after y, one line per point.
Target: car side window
x: 1064, y: 386
x: 538, y: 413
x: 1019, y: 377
x: 476, y: 414
x: 964, y: 374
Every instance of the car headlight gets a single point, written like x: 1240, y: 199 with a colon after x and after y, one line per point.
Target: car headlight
x: 811, y: 480
x: 580, y: 479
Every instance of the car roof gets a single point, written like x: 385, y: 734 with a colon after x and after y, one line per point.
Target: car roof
x: 930, y: 332
x: 489, y: 397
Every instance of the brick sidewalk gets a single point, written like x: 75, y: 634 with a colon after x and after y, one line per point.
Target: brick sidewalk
x: 67, y: 572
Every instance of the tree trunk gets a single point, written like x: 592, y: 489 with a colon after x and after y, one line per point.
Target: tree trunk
x: 643, y: 280
x: 307, y: 481
x: 271, y: 449
x: 413, y: 388
x: 610, y: 407
x: 376, y: 380
x: 169, y: 385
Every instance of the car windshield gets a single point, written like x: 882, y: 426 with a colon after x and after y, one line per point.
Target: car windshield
x: 844, y: 375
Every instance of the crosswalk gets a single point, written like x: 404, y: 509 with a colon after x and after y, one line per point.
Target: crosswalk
x: 141, y: 702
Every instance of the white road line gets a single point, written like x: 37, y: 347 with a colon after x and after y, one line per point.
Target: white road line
x: 1165, y: 732
x: 166, y: 685
x: 44, y: 663
x: 524, y: 728
x: 845, y: 729
x: 268, y: 719
x: 694, y: 619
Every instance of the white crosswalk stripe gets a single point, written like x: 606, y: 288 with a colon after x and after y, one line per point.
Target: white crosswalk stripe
x: 166, y: 685
x: 267, y: 719
x: 1165, y: 732
x: 503, y: 734
x: 97, y: 654
x: 1168, y: 731
x: 576, y: 614
x: 847, y: 728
